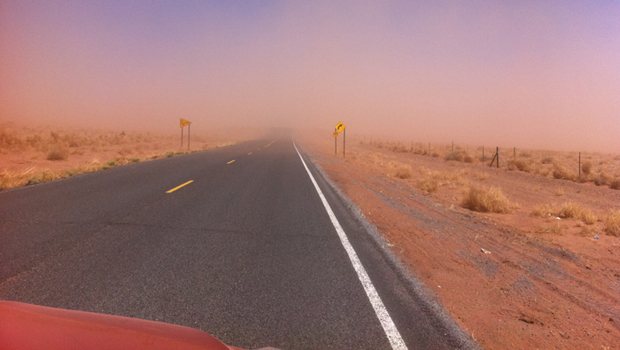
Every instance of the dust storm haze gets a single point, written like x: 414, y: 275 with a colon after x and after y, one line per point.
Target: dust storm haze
x: 526, y: 74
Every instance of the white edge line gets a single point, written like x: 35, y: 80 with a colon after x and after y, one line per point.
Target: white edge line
x: 388, y: 325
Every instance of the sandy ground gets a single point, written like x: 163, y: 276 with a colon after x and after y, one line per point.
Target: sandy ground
x: 512, y: 281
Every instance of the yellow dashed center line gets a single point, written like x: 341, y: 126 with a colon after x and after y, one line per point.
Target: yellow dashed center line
x: 249, y: 153
x: 176, y: 188
x: 270, y: 143
x: 232, y: 161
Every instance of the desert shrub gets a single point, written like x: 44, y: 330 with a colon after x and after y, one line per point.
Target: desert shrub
x: 612, y: 223
x: 568, y: 210
x: 458, y: 156
x: 520, y: 164
x: 468, y: 158
x: 111, y: 163
x: 57, y: 154
x: 547, y: 160
x: 525, y: 155
x: 559, y: 172
x: 169, y: 154
x: 135, y: 160
x: 427, y: 184
x: 486, y: 200
x: 615, y: 184
x: 586, y: 167
x: 602, y: 179
x: 435, y: 155
x: 559, y: 191
x: 403, y: 171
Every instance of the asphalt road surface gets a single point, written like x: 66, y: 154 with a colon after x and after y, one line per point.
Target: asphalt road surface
x: 247, y: 252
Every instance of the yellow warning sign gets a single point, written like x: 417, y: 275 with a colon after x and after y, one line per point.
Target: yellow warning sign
x: 340, y: 127
x: 185, y: 122
x: 335, y: 134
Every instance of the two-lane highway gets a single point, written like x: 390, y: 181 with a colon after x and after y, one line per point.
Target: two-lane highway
x: 235, y: 241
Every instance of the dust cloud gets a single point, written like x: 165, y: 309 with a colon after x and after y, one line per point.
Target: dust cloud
x: 535, y: 74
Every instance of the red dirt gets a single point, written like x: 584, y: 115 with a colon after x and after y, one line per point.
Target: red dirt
x: 534, y: 289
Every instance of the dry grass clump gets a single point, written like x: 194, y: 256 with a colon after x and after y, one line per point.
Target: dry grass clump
x: 559, y: 172
x: 559, y: 191
x: 403, y: 171
x: 57, y: 154
x: 586, y: 167
x: 612, y: 223
x: 486, y: 200
x: 568, y: 210
x: 460, y: 156
x: 427, y: 184
x: 615, y: 184
x: 520, y: 164
x: 547, y: 160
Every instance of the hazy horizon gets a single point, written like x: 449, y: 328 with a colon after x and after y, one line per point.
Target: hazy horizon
x: 526, y: 74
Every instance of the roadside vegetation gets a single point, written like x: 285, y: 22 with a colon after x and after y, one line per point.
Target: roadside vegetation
x: 52, y: 154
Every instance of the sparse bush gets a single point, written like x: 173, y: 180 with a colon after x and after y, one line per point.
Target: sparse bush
x: 547, y: 160
x: 57, y: 154
x: 457, y: 156
x: 427, y: 184
x: 602, y: 179
x: 586, y: 167
x: 615, y: 184
x: 135, y: 160
x: 435, y: 155
x: 403, y: 171
x: 559, y: 192
x: 525, y: 155
x: 612, y: 223
x: 486, y: 200
x: 559, y: 172
x: 468, y: 158
x: 568, y: 210
x: 520, y: 164
x: 169, y: 154
x: 111, y: 163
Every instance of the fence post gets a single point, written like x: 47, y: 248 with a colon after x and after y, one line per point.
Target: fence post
x: 497, y: 154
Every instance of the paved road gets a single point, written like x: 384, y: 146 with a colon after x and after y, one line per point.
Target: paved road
x: 246, y: 252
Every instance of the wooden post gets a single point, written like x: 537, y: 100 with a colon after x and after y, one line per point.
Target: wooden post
x: 497, y: 154
x: 482, y: 154
x: 514, y: 152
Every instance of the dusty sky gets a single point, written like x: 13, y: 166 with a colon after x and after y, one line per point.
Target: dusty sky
x: 539, y: 74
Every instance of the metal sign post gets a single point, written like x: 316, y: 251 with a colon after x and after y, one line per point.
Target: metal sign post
x: 183, y: 124
x: 336, y: 142
x: 344, y: 144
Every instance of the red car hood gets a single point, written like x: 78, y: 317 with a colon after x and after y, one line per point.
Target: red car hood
x: 25, y: 326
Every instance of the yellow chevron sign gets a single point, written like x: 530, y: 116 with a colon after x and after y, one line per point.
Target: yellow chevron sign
x: 340, y: 127
x: 185, y: 122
